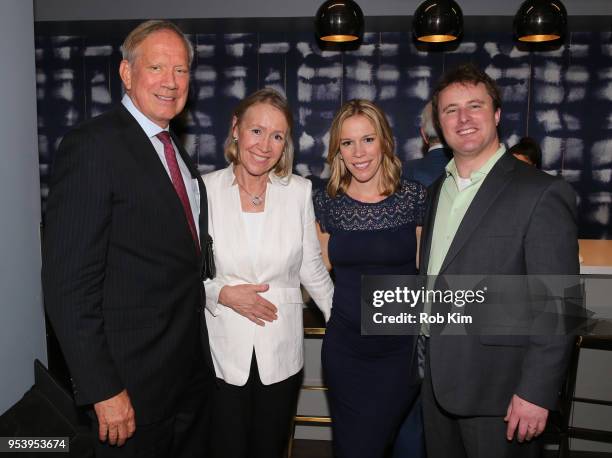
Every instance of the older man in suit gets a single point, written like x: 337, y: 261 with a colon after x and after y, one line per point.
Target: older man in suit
x: 126, y: 224
x: 489, y: 396
x: 427, y: 169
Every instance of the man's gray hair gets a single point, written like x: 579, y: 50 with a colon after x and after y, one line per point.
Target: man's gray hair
x: 129, y: 48
x: 427, y: 124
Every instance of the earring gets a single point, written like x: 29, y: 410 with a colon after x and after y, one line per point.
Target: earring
x: 235, y: 139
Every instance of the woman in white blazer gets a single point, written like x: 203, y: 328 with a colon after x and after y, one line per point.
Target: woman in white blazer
x: 261, y: 219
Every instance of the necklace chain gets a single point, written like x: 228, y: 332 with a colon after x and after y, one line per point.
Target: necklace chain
x: 255, y: 199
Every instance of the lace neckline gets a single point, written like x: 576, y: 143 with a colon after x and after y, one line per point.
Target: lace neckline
x: 361, y: 202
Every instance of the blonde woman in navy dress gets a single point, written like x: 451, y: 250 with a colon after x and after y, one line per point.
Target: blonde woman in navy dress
x: 369, y: 221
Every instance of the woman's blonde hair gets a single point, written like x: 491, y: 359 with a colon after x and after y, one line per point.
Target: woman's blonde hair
x: 285, y: 164
x: 391, y: 165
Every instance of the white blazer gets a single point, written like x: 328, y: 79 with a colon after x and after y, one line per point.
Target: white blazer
x: 288, y: 254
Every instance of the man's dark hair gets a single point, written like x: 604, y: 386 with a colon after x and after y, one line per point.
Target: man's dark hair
x: 464, y: 74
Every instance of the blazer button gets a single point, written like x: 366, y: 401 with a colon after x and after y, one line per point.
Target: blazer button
x: 74, y: 387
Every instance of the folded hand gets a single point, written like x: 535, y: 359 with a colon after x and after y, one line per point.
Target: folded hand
x: 245, y: 300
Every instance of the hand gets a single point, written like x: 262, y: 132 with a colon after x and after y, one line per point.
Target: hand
x: 243, y: 299
x: 116, y: 418
x: 530, y: 419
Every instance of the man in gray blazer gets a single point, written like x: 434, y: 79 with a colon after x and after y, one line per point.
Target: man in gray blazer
x: 489, y: 396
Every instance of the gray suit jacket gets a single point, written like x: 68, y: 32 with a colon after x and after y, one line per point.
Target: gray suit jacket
x: 522, y: 221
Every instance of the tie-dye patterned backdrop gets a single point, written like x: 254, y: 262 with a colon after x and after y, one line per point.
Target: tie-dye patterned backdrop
x: 563, y: 97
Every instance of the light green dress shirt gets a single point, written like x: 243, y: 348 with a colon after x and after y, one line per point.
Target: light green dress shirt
x: 456, y: 196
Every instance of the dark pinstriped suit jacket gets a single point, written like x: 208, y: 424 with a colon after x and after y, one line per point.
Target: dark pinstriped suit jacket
x: 522, y: 221
x: 121, y: 277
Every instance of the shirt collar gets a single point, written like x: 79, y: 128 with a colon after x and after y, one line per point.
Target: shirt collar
x: 150, y: 128
x: 435, y: 146
x: 481, y: 173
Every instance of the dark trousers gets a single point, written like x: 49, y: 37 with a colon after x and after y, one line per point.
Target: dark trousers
x: 252, y: 421
x: 451, y: 436
x: 182, y: 435
x: 410, y: 440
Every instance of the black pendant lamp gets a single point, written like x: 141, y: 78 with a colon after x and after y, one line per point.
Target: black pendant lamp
x: 339, y: 21
x: 537, y: 21
x: 437, y: 21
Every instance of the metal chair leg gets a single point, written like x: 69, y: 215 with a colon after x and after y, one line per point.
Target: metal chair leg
x: 291, y: 437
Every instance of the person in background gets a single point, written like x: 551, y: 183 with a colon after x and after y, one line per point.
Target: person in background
x: 428, y: 168
x: 527, y: 150
x: 262, y: 222
x: 489, y: 395
x: 122, y: 260
x: 369, y: 222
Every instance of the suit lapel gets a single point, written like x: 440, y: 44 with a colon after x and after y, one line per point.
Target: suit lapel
x: 269, y: 231
x: 146, y: 157
x: 235, y: 237
x: 153, y: 171
x: 203, y: 216
x: 428, y: 223
x: 492, y: 186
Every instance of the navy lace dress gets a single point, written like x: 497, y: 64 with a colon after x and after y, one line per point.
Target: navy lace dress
x: 371, y: 379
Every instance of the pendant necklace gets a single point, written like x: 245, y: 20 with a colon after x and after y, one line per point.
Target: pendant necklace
x: 256, y: 200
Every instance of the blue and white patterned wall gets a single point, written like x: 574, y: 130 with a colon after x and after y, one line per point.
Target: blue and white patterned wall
x: 563, y: 98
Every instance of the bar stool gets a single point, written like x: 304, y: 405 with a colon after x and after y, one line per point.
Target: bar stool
x: 559, y: 428
x: 314, y: 328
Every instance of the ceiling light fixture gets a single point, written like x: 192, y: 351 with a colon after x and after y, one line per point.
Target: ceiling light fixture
x: 538, y: 21
x: 339, y: 21
x: 437, y: 21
